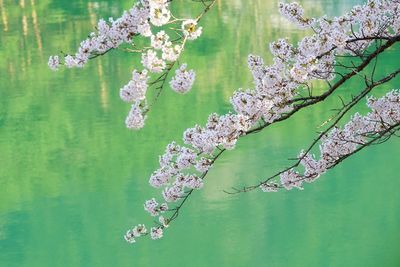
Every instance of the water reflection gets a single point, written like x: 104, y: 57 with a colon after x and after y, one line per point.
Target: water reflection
x: 4, y: 16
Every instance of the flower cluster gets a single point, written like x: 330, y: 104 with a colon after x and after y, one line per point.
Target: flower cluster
x: 135, y: 118
x: 342, y: 142
x: 136, y: 89
x: 144, y: 18
x: 295, y: 13
x: 183, y: 80
x: 220, y: 131
x: 54, y: 62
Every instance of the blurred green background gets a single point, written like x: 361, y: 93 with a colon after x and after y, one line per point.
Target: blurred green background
x: 73, y: 179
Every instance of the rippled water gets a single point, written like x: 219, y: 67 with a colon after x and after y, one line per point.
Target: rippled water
x: 73, y: 179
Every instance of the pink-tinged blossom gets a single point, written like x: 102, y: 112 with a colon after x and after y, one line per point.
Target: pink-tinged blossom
x: 203, y: 165
x: 111, y: 34
x: 290, y: 179
x: 162, y: 176
x: 282, y: 49
x: 183, y: 80
x: 173, y: 193
x: 156, y: 233
x: 186, y: 158
x: 159, y: 40
x: 193, y: 182
x: 171, y: 52
x: 136, y: 88
x: 135, y: 119
x: 54, y: 63
x: 294, y: 12
x: 70, y: 61
x: 152, y: 207
x: 152, y: 62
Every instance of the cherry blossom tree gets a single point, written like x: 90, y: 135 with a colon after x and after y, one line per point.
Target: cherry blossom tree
x: 337, y: 50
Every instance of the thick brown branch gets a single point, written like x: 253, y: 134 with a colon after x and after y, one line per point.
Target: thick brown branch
x: 308, y: 101
x: 345, y: 109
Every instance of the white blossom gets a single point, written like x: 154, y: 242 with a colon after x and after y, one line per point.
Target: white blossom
x: 203, y: 165
x: 282, y: 49
x: 291, y: 179
x: 193, y: 182
x: 294, y: 12
x: 163, y: 221
x: 186, y: 158
x: 152, y: 207
x: 173, y: 193
x: 161, y: 177
x: 158, y: 41
x: 190, y: 29
x: 183, y: 80
x: 152, y: 62
x: 111, y: 34
x: 70, y: 61
x: 54, y: 63
x: 159, y: 15
x: 220, y: 131
x: 171, y: 52
x: 139, y: 230
x: 156, y: 233
x: 129, y: 237
x: 136, y: 88
x: 135, y: 119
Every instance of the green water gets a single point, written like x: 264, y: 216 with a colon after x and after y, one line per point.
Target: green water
x: 73, y: 179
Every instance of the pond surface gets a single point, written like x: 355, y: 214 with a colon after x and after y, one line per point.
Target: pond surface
x: 73, y: 178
